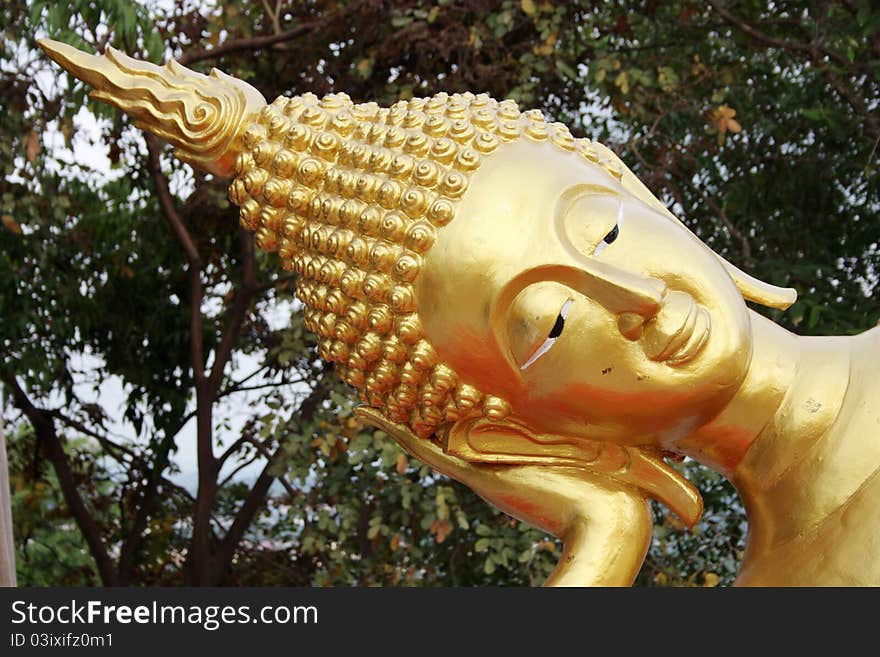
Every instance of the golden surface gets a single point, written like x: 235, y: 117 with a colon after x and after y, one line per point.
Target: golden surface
x: 199, y: 115
x: 518, y: 311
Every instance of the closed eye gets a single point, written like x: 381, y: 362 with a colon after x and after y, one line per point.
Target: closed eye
x: 555, y: 332
x: 612, y: 234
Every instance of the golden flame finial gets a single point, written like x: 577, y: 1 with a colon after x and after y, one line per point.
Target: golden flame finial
x: 200, y: 115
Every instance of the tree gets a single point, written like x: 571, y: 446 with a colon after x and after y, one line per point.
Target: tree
x: 756, y: 124
x: 89, y: 273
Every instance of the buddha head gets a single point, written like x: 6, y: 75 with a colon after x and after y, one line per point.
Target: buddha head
x: 458, y: 257
x: 470, y: 266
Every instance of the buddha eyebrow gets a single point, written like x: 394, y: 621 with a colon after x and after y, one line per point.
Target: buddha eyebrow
x: 576, y: 193
x: 555, y: 332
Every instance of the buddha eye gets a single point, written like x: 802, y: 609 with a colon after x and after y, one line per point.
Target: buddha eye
x: 610, y: 237
x: 555, y: 332
x: 612, y: 234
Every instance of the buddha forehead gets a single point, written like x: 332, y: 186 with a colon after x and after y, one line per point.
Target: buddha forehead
x: 512, y: 200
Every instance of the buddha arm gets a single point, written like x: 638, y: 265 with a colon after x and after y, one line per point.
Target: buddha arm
x: 605, y: 525
x: 606, y: 541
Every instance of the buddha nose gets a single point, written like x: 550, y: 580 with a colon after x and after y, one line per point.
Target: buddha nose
x: 617, y: 290
x: 635, y: 295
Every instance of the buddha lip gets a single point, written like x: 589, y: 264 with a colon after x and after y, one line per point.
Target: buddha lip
x: 695, y: 341
x: 678, y: 332
x: 680, y: 337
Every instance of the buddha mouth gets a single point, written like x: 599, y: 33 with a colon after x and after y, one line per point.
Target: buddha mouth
x: 677, y: 333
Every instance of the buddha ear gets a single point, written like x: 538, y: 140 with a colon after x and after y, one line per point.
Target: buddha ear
x: 750, y: 287
x: 758, y: 291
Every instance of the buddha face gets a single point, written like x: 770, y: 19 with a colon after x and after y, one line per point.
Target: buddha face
x: 591, y: 312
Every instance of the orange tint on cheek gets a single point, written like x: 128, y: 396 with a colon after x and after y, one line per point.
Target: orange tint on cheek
x: 484, y: 366
x: 580, y: 400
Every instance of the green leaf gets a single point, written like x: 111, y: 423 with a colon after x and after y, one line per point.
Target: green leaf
x: 566, y: 70
x: 400, y: 20
x: 668, y: 79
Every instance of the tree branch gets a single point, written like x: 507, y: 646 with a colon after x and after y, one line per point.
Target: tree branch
x: 105, y: 442
x: 274, y: 15
x: 816, y: 53
x: 241, y: 466
x: 745, y: 247
x: 258, y: 42
x: 250, y: 376
x: 148, y: 498
x: 272, y: 384
x: 257, y: 494
x: 166, y: 201
x: 237, y: 312
x: 45, y: 430
x: 812, y: 49
x: 198, y: 558
x: 855, y: 101
x: 281, y: 478
x: 231, y: 450
x: 112, y: 445
x: 250, y: 43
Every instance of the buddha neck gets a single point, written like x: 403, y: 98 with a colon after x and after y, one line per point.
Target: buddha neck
x: 790, y: 397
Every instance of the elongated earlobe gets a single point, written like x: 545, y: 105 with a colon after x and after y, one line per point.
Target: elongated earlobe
x: 758, y: 291
x: 750, y: 287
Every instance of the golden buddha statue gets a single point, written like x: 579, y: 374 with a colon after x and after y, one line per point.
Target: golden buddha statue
x: 518, y: 311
